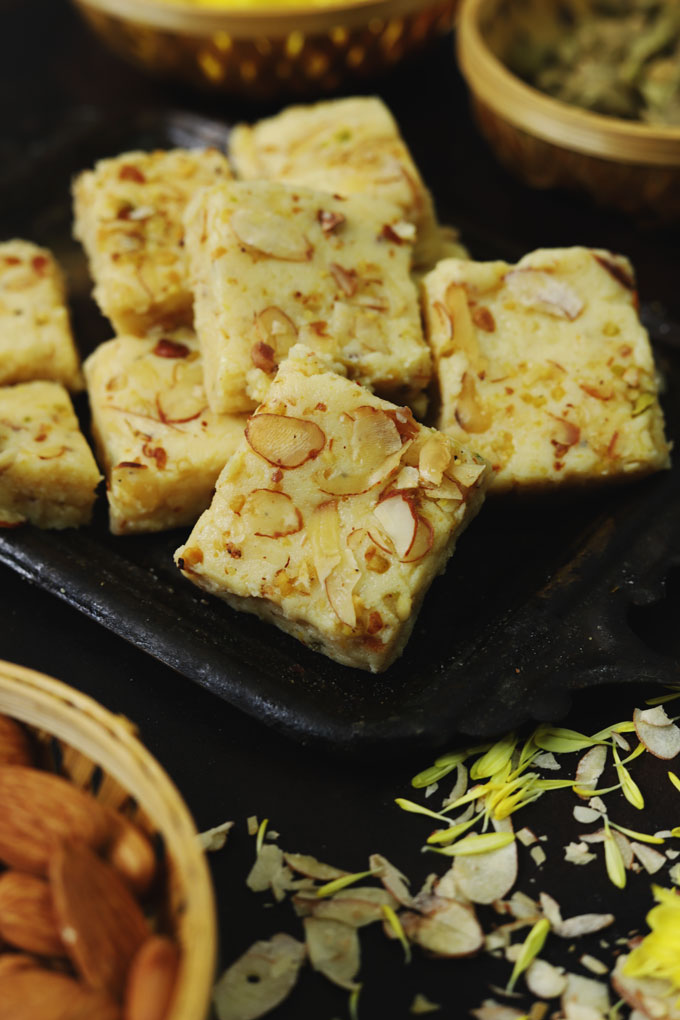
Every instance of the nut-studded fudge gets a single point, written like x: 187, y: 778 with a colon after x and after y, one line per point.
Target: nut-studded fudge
x: 128, y: 216
x: 274, y: 264
x: 344, y: 146
x: 545, y: 368
x: 334, y: 515
x: 35, y: 335
x: 48, y: 475
x: 160, y: 445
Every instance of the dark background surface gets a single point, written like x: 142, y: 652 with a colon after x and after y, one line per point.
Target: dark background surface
x: 59, y: 86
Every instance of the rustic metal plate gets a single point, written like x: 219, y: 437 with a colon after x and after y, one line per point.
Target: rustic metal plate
x: 541, y: 598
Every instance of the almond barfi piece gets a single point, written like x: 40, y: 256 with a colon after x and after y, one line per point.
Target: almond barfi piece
x: 128, y: 216
x: 160, y: 445
x: 545, y: 368
x: 35, y: 334
x: 48, y: 475
x: 334, y: 515
x: 273, y: 265
x: 344, y: 146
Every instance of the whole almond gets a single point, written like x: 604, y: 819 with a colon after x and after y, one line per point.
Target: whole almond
x: 27, y: 918
x: 38, y: 811
x: 151, y: 980
x: 33, y: 994
x: 15, y: 746
x: 101, y: 924
x: 130, y: 852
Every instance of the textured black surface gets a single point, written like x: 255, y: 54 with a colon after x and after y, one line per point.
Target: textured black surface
x: 535, y: 603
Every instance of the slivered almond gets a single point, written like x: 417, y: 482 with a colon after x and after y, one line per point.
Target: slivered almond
x: 434, y: 459
x: 540, y: 290
x: 276, y: 330
x: 463, y: 332
x: 469, y: 415
x: 284, y: 441
x: 38, y: 811
x: 100, y: 922
x: 340, y: 584
x: 423, y: 540
x: 466, y: 474
x: 27, y: 918
x: 399, y: 521
x: 131, y: 854
x: 346, y: 279
x: 266, y: 233
x: 15, y: 746
x: 444, y: 928
x: 323, y: 533
x: 151, y: 980
x: 565, y: 433
x: 180, y: 404
x: 271, y: 514
x: 32, y: 994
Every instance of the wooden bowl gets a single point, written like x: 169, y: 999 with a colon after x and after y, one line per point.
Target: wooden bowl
x: 265, y: 52
x: 100, y: 753
x: 626, y: 164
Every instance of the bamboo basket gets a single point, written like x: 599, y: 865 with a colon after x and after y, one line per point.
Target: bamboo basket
x: 631, y: 166
x: 265, y: 52
x: 100, y: 752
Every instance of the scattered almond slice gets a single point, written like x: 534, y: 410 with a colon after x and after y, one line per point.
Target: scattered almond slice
x: 355, y: 907
x: 585, y: 998
x: 270, y: 872
x: 260, y: 979
x: 547, y: 760
x: 391, y: 878
x: 578, y: 853
x: 662, y: 739
x: 594, y: 965
x: 590, y: 767
x: 573, y: 927
x: 484, y: 878
x: 544, y: 980
x: 446, y: 928
x: 399, y: 522
x: 215, y: 838
x: 271, y: 514
x: 585, y: 815
x: 650, y: 859
x: 333, y: 949
x: 312, y: 868
x: 422, y: 1005
x: 492, y: 1010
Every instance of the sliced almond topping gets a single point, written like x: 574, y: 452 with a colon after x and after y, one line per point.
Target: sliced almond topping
x: 340, y: 585
x: 435, y: 456
x: 271, y: 514
x: 180, y: 404
x: 565, y: 433
x: 329, y: 221
x: 423, y: 540
x: 323, y: 534
x: 541, y: 291
x: 264, y: 357
x: 276, y: 330
x: 463, y: 332
x: 266, y: 233
x: 466, y: 474
x: 469, y: 415
x: 374, y: 450
x: 448, y: 929
x: 283, y: 441
x: 346, y: 279
x: 399, y: 521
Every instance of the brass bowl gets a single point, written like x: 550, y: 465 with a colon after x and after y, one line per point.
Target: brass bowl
x: 99, y: 752
x: 263, y: 52
x: 625, y: 164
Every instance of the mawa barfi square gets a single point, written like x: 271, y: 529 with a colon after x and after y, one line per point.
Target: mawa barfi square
x: 545, y: 368
x: 334, y: 515
x: 273, y: 265
x: 159, y: 443
x: 48, y: 476
x: 344, y: 146
x: 35, y: 334
x: 128, y: 216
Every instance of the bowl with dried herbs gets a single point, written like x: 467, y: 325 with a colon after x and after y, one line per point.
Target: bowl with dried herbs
x: 583, y: 94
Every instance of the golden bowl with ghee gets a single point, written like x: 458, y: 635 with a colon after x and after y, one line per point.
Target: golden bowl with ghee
x: 263, y: 48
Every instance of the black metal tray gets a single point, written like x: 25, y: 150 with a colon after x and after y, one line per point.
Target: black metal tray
x: 542, y: 598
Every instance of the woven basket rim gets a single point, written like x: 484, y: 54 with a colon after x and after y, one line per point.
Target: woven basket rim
x: 109, y: 740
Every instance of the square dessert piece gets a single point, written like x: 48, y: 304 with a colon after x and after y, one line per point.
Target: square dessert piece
x: 334, y: 515
x: 273, y: 265
x: 48, y: 475
x: 160, y: 445
x: 545, y: 368
x: 344, y: 146
x: 35, y: 335
x: 128, y: 216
